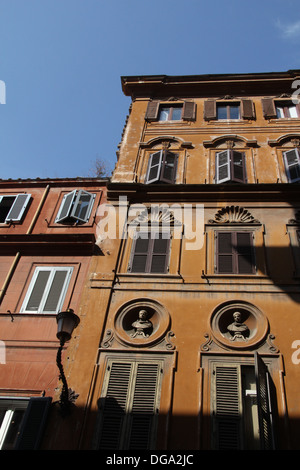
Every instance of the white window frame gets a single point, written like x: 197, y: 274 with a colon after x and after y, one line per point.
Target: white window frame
x: 72, y: 200
x: 53, y: 270
x: 10, y: 405
x: 23, y: 198
x: 287, y: 166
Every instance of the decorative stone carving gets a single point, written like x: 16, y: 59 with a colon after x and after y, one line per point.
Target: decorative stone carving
x: 238, y: 330
x: 234, y: 214
x: 142, y: 326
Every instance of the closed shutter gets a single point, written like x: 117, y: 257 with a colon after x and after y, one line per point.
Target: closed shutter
x: 55, y: 290
x: 34, y: 422
x: 224, y: 253
x: 244, y: 252
x: 292, y: 165
x: 247, y: 109
x: 189, y: 111
x: 235, y: 253
x: 210, y: 110
x: 82, y: 206
x: 227, y: 406
x: 150, y: 253
x: 129, y: 405
x: 266, y: 409
x: 65, y: 207
x: 140, y: 253
x: 152, y: 111
x: 269, y: 109
x: 17, y: 210
x: 37, y: 291
x: 159, y: 256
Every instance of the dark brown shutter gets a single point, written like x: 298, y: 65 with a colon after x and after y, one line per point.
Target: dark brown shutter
x: 247, y: 109
x: 152, y: 110
x: 34, y: 422
x: 265, y: 406
x: 210, y: 110
x: 268, y: 106
x: 227, y: 406
x: 244, y: 252
x: 224, y: 253
x: 189, y: 111
x: 140, y: 253
x: 238, y: 167
x: 160, y: 253
x: 168, y: 170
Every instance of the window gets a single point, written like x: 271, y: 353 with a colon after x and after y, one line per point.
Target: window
x: 162, y: 167
x: 76, y: 206
x: 22, y: 422
x: 242, y: 411
x: 129, y: 404
x: 234, y: 253
x: 287, y: 109
x: 47, y: 290
x: 292, y: 165
x: 228, y: 111
x: 157, y: 111
x: 150, y: 252
x: 12, y: 207
x: 230, y: 167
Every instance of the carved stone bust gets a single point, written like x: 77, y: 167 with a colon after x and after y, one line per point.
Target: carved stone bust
x: 238, y: 330
x: 142, y: 326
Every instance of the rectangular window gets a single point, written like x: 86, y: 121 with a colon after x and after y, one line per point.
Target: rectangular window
x: 286, y: 109
x: 129, y: 405
x: 230, y: 167
x: 150, y: 253
x: 157, y: 111
x: 47, y: 290
x: 162, y: 167
x: 170, y: 113
x: 242, y: 411
x: 12, y: 207
x: 76, y: 206
x: 234, y: 253
x: 228, y: 111
x: 292, y: 165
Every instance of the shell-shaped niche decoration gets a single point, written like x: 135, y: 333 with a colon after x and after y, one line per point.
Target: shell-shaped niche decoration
x: 234, y: 214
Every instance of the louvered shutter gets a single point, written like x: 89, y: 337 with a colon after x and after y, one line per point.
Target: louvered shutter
x: 292, y: 165
x: 210, y: 110
x: 238, y: 167
x: 129, y: 404
x: 141, y: 245
x: 244, y: 253
x: 34, y: 422
x: 269, y: 109
x: 265, y: 404
x: 159, y: 256
x: 189, y: 111
x: 224, y: 253
x: 247, y: 109
x: 152, y: 110
x: 65, y: 207
x: 223, y: 166
x: 227, y: 406
x: 82, y: 206
x: 154, y: 167
x: 168, y: 168
x: 17, y: 209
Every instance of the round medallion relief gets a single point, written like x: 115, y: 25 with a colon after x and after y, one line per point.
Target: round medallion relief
x: 239, y: 325
x: 142, y: 322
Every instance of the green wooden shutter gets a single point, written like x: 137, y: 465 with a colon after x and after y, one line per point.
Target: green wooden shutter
x: 34, y: 422
x: 227, y: 406
x: 17, y: 209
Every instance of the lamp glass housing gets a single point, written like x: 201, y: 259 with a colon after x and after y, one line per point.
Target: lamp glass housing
x: 66, y: 323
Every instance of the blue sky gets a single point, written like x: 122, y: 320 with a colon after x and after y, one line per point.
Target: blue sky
x: 61, y: 63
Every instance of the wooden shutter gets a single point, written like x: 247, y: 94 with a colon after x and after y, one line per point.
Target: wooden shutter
x: 224, y: 253
x: 65, y: 207
x: 140, y: 252
x: 150, y: 253
x: 247, y: 109
x: 269, y: 109
x: 227, y: 406
x: 266, y: 408
x: 82, y: 206
x: 168, y: 168
x: 34, y: 422
x: 154, y: 167
x: 223, y: 166
x: 159, y: 255
x: 292, y: 165
x: 17, y: 209
x: 238, y: 166
x: 234, y: 253
x: 189, y: 111
x: 129, y: 404
x: 152, y: 111
x: 244, y: 252
x: 210, y: 110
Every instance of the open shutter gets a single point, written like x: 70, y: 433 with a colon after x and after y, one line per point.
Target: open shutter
x: 292, y: 165
x: 83, y: 206
x: 159, y: 256
x: 189, y: 111
x: 227, y: 406
x: 17, y: 209
x: 65, y: 207
x: 152, y: 111
x: 265, y: 405
x: 223, y: 166
x: 168, y: 168
x: 224, y: 253
x: 247, y: 109
x: 238, y: 166
x: 210, y: 110
x: 244, y: 253
x: 34, y: 422
x: 269, y: 109
x: 154, y: 167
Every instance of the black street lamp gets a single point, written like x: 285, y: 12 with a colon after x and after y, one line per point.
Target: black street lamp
x: 66, y: 323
